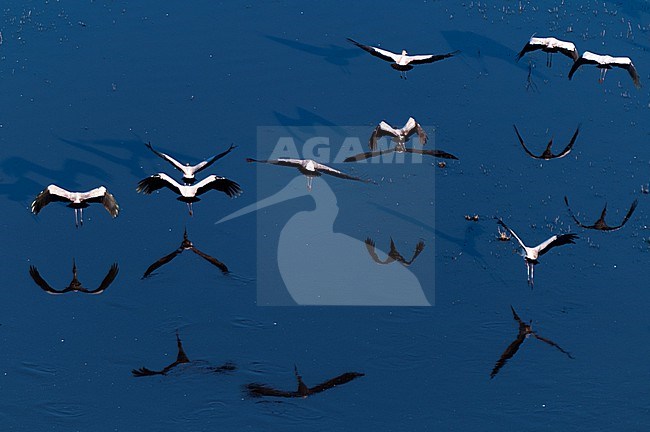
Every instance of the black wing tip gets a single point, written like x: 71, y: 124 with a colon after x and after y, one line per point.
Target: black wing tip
x: 143, y: 371
x: 569, y: 238
x: 257, y: 390
x: 233, y: 189
x: 144, y: 186
x: 355, y: 158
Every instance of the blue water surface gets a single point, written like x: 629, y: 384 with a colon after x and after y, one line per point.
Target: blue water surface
x: 86, y: 84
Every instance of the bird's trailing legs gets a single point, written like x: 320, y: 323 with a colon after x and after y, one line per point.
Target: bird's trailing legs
x: 603, y: 72
x: 189, y: 207
x: 531, y: 272
x: 78, y: 217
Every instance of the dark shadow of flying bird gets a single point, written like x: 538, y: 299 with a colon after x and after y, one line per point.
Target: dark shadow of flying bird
x: 186, y: 244
x: 393, y: 255
x: 525, y: 330
x: 336, y: 55
x: 74, y: 284
x: 371, y: 154
x: 548, y: 154
x: 259, y: 390
x: 181, y: 358
x: 189, y: 171
x: 600, y: 224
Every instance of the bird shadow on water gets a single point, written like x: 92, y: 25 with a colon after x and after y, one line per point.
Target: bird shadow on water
x: 333, y: 54
x: 24, y: 187
x: 307, y: 123
x: 474, y: 45
x: 467, y: 244
x: 133, y: 151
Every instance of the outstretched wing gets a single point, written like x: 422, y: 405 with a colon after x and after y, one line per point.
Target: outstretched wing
x: 580, y: 224
x: 295, y: 163
x: 158, y: 181
x: 521, y: 243
x: 528, y: 48
x: 576, y: 64
x: 33, y: 272
x: 412, y: 127
x: 101, y: 195
x: 336, y: 173
x: 383, y: 129
x: 368, y: 155
x: 510, y: 351
x: 568, y: 148
x: 516, y: 318
x: 633, y: 73
x: 336, y: 381
x: 435, y: 153
x: 521, y: 140
x: 259, y: 390
x: 110, y: 277
x: 551, y: 343
x: 210, y: 259
x: 626, y: 218
x: 143, y: 371
x: 161, y: 262
x: 179, y: 166
x: 206, y: 163
x: 555, y: 241
x: 377, y: 52
x: 370, y: 245
x: 418, y: 250
x: 52, y: 193
x: 421, y: 59
x: 569, y: 50
x: 222, y: 184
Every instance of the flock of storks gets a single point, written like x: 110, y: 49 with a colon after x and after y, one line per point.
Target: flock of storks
x: 190, y: 189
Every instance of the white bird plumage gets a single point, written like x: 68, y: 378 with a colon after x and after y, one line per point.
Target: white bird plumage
x: 400, y: 136
x: 309, y: 168
x: 549, y: 45
x: 189, y: 171
x: 189, y: 193
x: 604, y: 63
x: 76, y: 200
x: 402, y: 62
x: 531, y: 254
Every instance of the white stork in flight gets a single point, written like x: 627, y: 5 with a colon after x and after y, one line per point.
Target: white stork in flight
x: 400, y: 137
x: 189, y: 194
x: 549, y: 45
x: 531, y: 254
x: 309, y: 168
x: 604, y: 63
x: 189, y: 171
x: 402, y: 62
x: 76, y: 200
